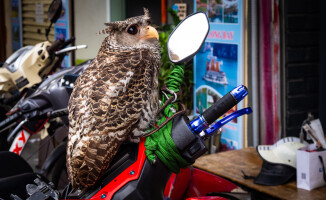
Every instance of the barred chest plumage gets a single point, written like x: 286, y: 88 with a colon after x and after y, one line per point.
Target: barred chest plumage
x: 148, y: 113
x: 140, y: 85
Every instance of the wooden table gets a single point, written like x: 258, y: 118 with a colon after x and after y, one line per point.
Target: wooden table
x: 230, y: 164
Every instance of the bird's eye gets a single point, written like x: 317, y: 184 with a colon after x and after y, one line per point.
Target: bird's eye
x: 133, y: 30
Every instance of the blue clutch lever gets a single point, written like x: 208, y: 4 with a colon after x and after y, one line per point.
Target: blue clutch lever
x: 211, y: 130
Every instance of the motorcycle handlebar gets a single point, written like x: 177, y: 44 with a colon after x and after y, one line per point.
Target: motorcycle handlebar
x: 225, y: 103
x: 67, y: 42
x: 55, y: 46
x: 58, y: 113
x: 219, y: 108
x: 17, y: 115
x: 10, y: 119
x: 52, y: 114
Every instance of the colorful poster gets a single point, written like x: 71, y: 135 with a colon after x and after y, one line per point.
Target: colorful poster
x: 218, y: 66
x: 62, y: 29
x: 16, y: 24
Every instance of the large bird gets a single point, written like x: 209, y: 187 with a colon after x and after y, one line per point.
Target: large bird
x: 115, y: 98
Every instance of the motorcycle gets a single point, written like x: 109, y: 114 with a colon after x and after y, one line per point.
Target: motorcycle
x: 132, y: 173
x: 52, y: 94
x: 27, y: 67
x: 23, y: 72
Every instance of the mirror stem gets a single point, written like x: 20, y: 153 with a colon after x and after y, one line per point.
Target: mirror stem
x: 47, y: 31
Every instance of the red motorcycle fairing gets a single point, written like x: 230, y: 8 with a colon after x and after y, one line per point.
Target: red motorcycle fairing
x: 206, y: 198
x: 193, y: 182
x: 203, y: 183
x: 130, y: 174
x: 134, y: 177
x: 178, y: 184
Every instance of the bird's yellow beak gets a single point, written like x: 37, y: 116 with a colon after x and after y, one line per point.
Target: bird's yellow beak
x: 150, y: 33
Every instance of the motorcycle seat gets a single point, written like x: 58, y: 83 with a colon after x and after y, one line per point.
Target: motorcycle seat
x: 15, y: 174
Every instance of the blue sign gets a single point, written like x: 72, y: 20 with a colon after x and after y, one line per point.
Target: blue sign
x: 218, y: 66
x: 16, y: 24
x: 62, y: 29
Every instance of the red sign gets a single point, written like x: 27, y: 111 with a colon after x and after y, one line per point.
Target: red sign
x: 221, y: 35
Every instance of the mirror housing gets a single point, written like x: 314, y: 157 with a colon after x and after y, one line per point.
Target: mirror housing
x: 54, y: 10
x: 187, y: 38
x: 54, y: 13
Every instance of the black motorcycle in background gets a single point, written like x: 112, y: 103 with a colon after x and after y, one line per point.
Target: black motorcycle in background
x: 24, y: 70
x: 35, y: 114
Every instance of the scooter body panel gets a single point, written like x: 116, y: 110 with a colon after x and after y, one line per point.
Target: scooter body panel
x: 203, y: 183
x: 19, y: 142
x: 178, y: 184
x: 10, y: 66
x: 26, y: 67
x: 6, y: 84
x: 206, y: 198
x: 193, y: 182
x: 128, y: 175
x: 149, y: 185
x: 131, y: 176
x: 34, y: 66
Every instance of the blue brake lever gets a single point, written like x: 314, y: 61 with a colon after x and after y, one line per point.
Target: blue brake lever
x: 210, y: 131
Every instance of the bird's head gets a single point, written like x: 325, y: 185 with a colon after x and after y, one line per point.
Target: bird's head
x: 135, y: 32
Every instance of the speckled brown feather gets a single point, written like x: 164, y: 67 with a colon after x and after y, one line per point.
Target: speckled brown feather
x: 114, y: 99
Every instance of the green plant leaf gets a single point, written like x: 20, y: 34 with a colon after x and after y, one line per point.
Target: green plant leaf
x: 167, y: 66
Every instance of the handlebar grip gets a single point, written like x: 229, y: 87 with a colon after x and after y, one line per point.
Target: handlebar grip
x: 67, y: 42
x: 58, y: 113
x: 10, y: 119
x: 225, y: 103
x: 51, y: 114
x: 219, y: 108
x: 55, y: 46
